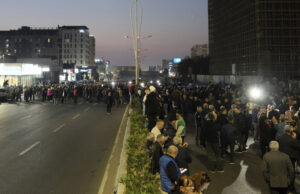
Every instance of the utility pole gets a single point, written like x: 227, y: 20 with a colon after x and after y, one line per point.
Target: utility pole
x: 136, y: 28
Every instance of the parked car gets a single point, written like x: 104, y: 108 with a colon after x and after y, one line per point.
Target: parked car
x: 3, y: 95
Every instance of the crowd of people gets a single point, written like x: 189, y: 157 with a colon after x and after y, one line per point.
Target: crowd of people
x: 224, y: 117
x: 69, y: 93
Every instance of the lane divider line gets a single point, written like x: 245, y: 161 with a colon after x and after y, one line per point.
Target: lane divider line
x: 26, y: 117
x: 58, y: 128
x: 29, y: 148
x: 95, y: 104
x: 87, y: 109
x: 76, y: 116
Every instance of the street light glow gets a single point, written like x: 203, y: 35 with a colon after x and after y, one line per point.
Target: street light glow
x: 255, y: 93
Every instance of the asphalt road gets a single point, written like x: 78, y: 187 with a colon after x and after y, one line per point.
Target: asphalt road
x: 46, y: 148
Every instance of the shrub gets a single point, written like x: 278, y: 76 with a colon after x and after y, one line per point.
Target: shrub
x: 139, y: 180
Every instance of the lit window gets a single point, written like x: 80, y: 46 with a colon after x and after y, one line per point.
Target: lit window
x: 49, y: 40
x: 81, y: 31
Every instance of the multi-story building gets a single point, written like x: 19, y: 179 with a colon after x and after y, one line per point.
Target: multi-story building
x: 29, y: 43
x: 200, y: 50
x: 92, y: 50
x: 64, y: 46
x: 75, y: 45
x: 256, y: 37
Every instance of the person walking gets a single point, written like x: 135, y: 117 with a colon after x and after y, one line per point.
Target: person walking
x: 277, y: 169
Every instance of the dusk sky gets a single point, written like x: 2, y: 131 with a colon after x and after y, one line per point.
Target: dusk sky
x: 176, y: 25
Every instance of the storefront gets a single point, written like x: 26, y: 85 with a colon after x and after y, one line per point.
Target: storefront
x: 22, y: 73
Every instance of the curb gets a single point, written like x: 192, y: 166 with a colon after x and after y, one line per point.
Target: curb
x: 122, y: 171
x: 112, y: 167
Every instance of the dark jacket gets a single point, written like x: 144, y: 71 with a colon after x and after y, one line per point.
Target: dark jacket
x: 267, y: 132
x: 183, y: 158
x: 222, y: 120
x: 277, y: 169
x: 289, y: 146
x: 228, y: 133
x: 240, y: 122
x: 152, y: 105
x: 157, y: 153
x: 211, y: 129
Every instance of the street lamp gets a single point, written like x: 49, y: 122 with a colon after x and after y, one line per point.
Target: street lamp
x: 136, y: 33
x: 137, y: 51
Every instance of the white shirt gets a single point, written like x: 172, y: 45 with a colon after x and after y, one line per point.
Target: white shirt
x: 156, y: 132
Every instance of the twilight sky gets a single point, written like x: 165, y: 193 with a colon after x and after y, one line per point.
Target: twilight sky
x: 176, y: 25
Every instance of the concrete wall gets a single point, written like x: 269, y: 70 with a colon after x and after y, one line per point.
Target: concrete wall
x: 227, y: 79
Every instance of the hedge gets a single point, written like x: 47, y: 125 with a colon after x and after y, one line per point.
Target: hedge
x: 139, y: 180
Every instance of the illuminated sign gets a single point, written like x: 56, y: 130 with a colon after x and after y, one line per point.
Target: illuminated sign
x: 177, y: 60
x: 22, y: 69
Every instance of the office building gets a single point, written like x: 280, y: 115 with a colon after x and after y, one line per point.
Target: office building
x: 200, y: 50
x: 64, y: 47
x: 254, y: 37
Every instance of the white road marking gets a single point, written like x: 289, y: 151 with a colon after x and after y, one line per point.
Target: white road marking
x: 80, y: 103
x: 58, y: 128
x: 27, y: 117
x: 29, y: 148
x: 76, y: 116
x: 95, y: 104
x: 87, y: 109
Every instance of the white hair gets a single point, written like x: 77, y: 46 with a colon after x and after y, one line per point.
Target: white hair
x: 160, y: 138
x: 274, y: 145
x: 150, y: 136
x: 177, y: 140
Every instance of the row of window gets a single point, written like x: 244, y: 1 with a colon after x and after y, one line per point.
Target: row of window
x: 70, y: 56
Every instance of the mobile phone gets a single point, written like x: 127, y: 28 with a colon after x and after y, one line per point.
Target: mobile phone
x: 183, y: 171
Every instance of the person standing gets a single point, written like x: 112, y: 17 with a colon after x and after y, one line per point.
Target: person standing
x: 75, y: 94
x: 228, y: 136
x: 152, y: 108
x: 109, y: 102
x: 157, y: 129
x: 277, y: 169
x: 180, y: 127
x: 290, y: 146
x: 157, y: 153
x: 212, y: 143
x: 168, y: 169
x: 199, y: 117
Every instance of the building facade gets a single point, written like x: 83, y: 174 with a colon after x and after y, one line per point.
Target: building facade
x: 56, y: 48
x: 92, y: 50
x: 29, y: 43
x: 200, y: 50
x: 254, y: 37
x: 75, y: 42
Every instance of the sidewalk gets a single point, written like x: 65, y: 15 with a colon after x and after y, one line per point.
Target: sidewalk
x: 244, y: 176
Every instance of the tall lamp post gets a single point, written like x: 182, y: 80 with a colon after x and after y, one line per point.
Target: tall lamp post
x: 136, y: 34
